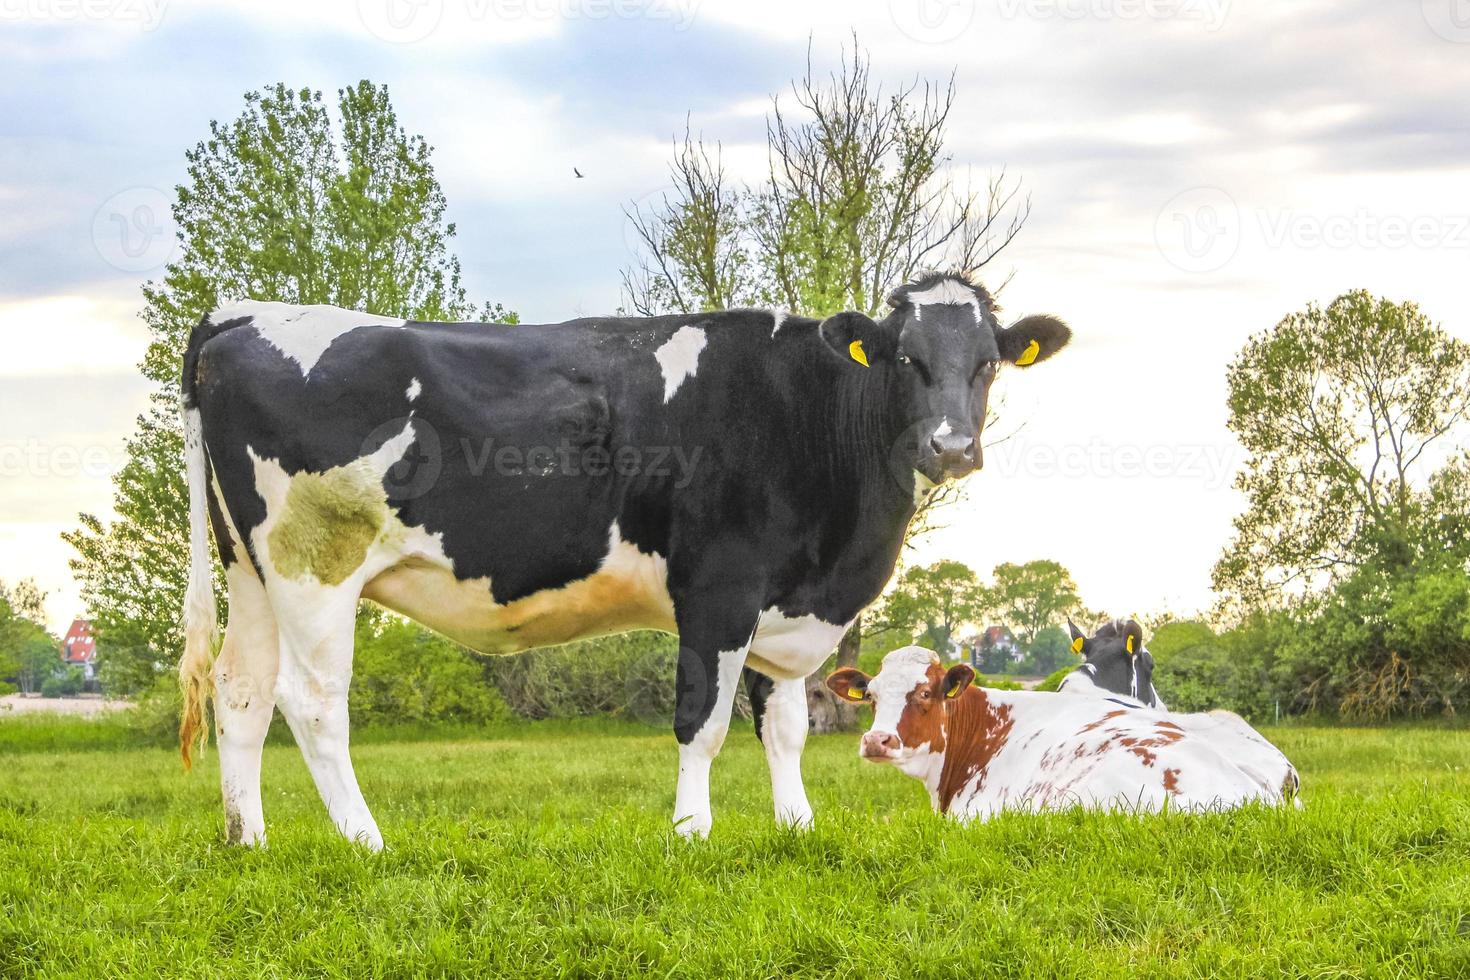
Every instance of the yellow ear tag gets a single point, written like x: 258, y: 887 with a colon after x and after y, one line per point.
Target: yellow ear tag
x: 1130, y: 643
x: 1028, y: 356
x: 858, y: 354
x: 952, y: 692
x: 855, y: 695
x: 1077, y: 645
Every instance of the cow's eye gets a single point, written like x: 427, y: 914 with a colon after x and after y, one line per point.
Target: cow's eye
x: 986, y: 369
x: 904, y: 359
x: 925, y: 695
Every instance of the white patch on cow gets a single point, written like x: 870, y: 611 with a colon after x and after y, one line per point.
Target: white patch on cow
x: 903, y: 670
x: 301, y: 333
x: 787, y: 647
x: 945, y: 293
x: 922, y: 486
x: 780, y: 317
x: 679, y: 358
x: 414, y: 390
x: 944, y: 428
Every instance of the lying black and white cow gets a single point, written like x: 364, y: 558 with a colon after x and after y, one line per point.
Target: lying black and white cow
x: 744, y: 478
x: 980, y: 751
x: 1114, y: 660
x: 1118, y: 665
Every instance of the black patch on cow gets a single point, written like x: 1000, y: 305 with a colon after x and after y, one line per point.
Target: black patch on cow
x: 758, y: 688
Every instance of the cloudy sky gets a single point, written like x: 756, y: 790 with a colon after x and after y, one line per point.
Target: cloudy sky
x: 1198, y: 168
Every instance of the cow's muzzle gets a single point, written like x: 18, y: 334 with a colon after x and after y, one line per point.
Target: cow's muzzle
x: 879, y: 746
x: 953, y: 454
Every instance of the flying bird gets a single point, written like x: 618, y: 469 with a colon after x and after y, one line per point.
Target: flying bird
x: 579, y: 173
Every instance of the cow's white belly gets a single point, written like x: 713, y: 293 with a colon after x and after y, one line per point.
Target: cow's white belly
x: 627, y: 592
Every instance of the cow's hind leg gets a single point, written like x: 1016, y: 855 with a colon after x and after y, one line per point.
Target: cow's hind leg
x: 316, y: 634
x: 244, y: 701
x: 781, y: 723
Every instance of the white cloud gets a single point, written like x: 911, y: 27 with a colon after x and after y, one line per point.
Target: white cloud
x: 78, y: 335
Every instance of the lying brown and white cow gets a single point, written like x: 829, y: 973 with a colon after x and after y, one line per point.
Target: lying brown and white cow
x: 980, y: 751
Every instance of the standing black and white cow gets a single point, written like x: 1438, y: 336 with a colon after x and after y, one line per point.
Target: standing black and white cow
x: 742, y: 478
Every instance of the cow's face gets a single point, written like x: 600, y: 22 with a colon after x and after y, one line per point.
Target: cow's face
x: 1117, y: 660
x: 910, y: 699
x: 945, y: 345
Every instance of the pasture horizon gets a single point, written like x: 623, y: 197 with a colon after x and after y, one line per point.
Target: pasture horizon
x: 1192, y: 182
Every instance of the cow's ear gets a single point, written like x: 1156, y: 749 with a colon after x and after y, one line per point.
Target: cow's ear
x: 857, y: 339
x: 957, y: 678
x: 1032, y: 339
x: 1079, y: 642
x: 1132, y: 637
x: 849, y: 684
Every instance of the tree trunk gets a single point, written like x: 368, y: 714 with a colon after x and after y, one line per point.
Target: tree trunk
x: 826, y: 712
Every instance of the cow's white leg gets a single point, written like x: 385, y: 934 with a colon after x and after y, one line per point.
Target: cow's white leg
x: 316, y: 634
x: 783, y: 732
x: 706, y: 696
x: 244, y: 700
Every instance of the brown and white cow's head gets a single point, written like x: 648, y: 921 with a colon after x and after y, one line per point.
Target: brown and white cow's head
x: 911, y: 699
x: 942, y: 345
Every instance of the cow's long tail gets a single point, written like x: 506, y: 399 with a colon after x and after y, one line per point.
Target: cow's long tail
x: 201, y: 625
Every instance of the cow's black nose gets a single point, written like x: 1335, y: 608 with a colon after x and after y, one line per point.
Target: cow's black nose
x: 953, y: 446
x: 956, y: 453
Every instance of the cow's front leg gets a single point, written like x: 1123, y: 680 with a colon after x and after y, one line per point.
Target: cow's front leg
x: 709, y: 669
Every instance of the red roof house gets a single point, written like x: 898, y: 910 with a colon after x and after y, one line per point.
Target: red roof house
x: 79, y: 645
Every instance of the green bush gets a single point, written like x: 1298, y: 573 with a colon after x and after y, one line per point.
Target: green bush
x: 997, y: 683
x: 1054, y: 679
x: 403, y: 673
x: 51, y: 686
x: 632, y: 674
x: 154, y: 715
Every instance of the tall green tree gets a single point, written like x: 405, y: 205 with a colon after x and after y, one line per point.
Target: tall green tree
x: 931, y: 603
x: 28, y: 653
x: 278, y: 204
x: 857, y: 199
x: 1349, y: 414
x: 1033, y: 596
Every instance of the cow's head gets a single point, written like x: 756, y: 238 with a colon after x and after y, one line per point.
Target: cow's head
x: 911, y: 698
x: 1117, y: 661
x: 944, y: 345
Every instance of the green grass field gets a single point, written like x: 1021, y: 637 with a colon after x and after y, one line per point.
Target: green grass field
x: 545, y: 850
